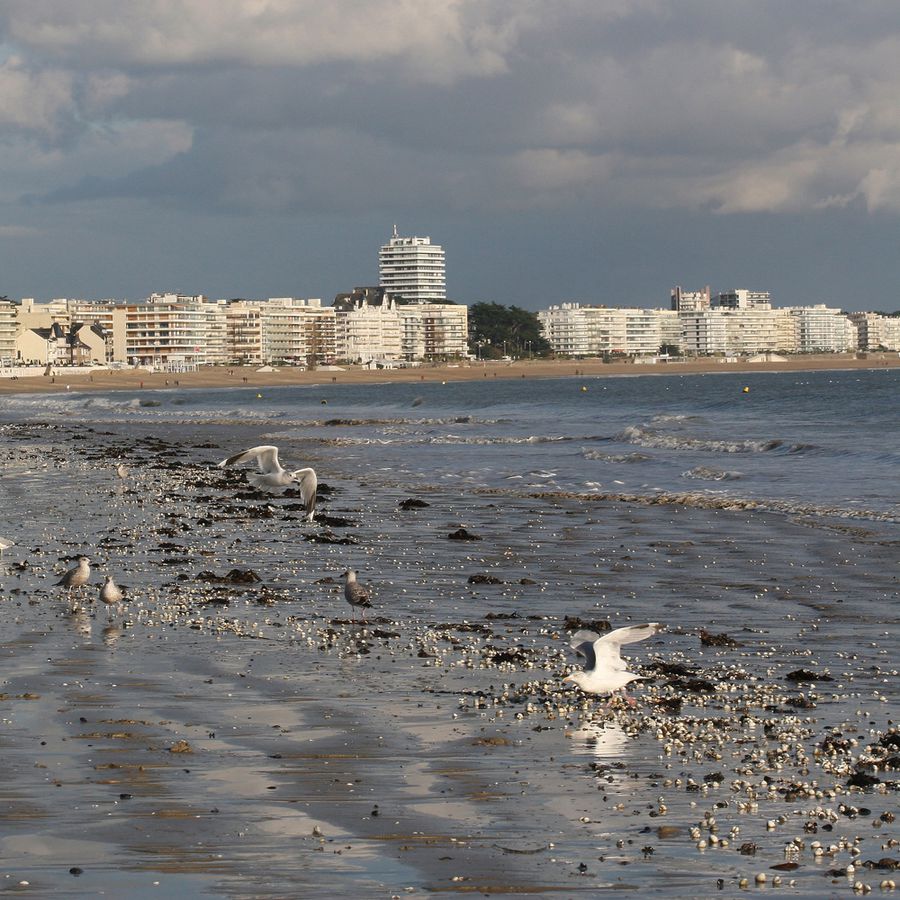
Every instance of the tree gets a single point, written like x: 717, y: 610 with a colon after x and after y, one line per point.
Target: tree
x: 496, y: 330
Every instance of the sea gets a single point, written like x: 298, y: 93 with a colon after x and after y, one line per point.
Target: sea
x: 823, y: 443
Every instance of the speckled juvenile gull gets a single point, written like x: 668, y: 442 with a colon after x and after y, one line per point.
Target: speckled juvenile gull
x: 78, y: 576
x: 355, y: 594
x: 604, y: 669
x: 274, y: 477
x: 110, y: 593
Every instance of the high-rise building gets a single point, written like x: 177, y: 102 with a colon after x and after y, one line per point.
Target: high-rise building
x: 412, y: 269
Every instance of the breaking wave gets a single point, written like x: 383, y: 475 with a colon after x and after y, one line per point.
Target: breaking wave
x: 645, y: 437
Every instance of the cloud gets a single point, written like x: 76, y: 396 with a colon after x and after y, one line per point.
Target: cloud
x: 18, y: 231
x: 33, y: 100
x: 471, y: 105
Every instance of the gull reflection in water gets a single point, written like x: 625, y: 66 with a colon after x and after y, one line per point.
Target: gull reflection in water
x: 601, y: 739
x: 111, y: 633
x: 81, y: 620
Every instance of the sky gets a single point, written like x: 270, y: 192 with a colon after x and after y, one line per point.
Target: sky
x: 599, y: 151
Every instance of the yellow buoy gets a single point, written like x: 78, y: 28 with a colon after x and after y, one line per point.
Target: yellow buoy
x: 746, y: 390
x: 259, y: 396
x: 583, y: 388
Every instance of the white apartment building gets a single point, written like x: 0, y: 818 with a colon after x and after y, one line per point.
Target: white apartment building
x: 823, y: 330
x: 8, y: 330
x: 412, y: 268
x: 434, y: 331
x: 575, y: 330
x: 743, y: 299
x: 703, y: 333
x: 175, y: 329
x: 367, y: 326
x: 243, y: 333
x: 753, y: 330
x: 297, y: 332
x: 875, y: 331
x: 690, y: 301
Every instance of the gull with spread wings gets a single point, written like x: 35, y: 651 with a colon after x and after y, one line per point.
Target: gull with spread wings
x: 604, y: 669
x: 274, y: 477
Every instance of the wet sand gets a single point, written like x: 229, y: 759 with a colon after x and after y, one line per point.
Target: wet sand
x: 220, y: 376
x: 249, y: 740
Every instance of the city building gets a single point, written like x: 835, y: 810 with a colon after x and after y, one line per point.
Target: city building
x: 433, y: 331
x: 297, y: 332
x: 575, y: 330
x: 412, y: 269
x: 61, y: 345
x: 690, y: 301
x: 367, y: 326
x: 175, y: 330
x: 875, y: 331
x: 823, y: 330
x: 703, y: 333
x: 743, y: 299
x: 8, y: 330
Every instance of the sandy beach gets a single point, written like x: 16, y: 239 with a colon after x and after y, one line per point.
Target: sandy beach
x: 231, y: 732
x: 220, y: 376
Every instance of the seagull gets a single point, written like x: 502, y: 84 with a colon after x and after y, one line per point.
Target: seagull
x: 110, y: 593
x: 122, y: 471
x: 78, y: 576
x: 355, y: 594
x: 273, y: 476
x: 5, y: 544
x: 604, y: 669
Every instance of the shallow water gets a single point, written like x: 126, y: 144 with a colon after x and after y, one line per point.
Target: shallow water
x: 433, y: 749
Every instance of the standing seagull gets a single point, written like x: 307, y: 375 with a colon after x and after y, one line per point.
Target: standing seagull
x: 5, y: 544
x: 110, y: 593
x: 355, y: 594
x: 78, y: 576
x: 604, y: 669
x: 274, y: 477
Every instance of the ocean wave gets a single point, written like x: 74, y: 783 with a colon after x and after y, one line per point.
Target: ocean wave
x: 635, y: 457
x: 644, y: 437
x: 707, y: 500
x: 707, y: 473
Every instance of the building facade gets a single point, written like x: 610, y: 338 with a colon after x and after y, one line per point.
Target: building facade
x: 367, y: 327
x: 412, y: 268
x: 433, y: 331
x: 875, y: 331
x: 8, y: 330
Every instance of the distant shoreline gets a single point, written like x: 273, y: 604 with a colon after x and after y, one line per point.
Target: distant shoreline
x: 248, y: 376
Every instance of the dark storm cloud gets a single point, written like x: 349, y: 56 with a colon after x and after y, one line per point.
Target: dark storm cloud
x: 481, y: 108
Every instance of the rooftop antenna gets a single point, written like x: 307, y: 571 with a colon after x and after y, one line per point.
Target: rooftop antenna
x: 395, y: 230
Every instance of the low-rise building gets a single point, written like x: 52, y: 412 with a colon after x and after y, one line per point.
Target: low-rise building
x: 59, y: 345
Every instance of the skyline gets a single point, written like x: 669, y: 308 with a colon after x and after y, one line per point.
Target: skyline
x: 595, y: 152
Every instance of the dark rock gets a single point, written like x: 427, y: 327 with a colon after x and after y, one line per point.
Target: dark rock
x: 484, y: 579
x: 708, y: 639
x: 462, y: 534
x: 806, y: 675
x: 575, y: 623
x: 412, y: 503
x: 863, y: 780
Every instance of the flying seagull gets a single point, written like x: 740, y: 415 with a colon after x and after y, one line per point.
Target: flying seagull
x: 604, y: 669
x: 78, y: 576
x: 355, y: 594
x: 273, y: 477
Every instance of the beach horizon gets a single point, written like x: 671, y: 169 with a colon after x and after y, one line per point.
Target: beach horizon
x: 285, y: 376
